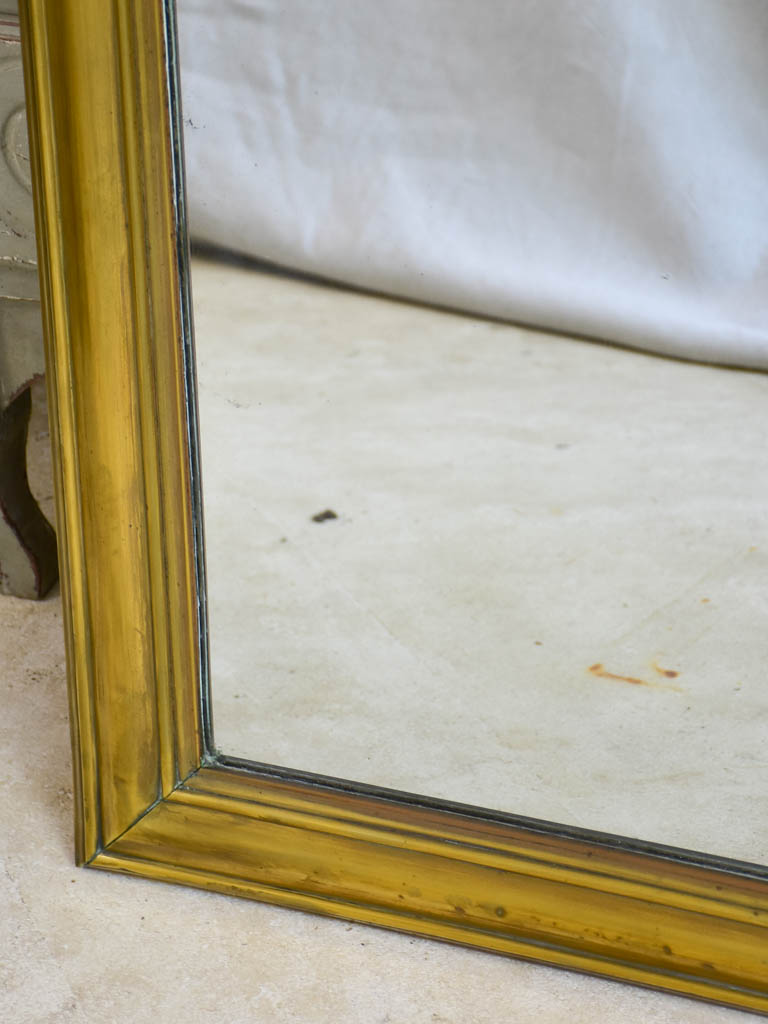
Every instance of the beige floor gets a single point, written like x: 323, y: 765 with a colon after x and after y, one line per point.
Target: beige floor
x: 81, y: 946
x: 545, y: 589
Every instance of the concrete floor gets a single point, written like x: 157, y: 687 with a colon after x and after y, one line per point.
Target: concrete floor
x: 82, y: 946
x: 544, y: 591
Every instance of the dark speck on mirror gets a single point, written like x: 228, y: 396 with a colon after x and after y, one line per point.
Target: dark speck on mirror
x: 321, y: 517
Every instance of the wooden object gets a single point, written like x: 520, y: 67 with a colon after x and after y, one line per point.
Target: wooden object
x: 27, y: 542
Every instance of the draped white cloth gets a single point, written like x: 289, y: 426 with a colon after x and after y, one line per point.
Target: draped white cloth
x: 598, y: 167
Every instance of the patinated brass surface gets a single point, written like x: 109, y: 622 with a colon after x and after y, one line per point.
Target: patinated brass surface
x: 151, y: 799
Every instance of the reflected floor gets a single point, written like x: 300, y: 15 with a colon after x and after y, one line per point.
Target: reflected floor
x: 543, y: 588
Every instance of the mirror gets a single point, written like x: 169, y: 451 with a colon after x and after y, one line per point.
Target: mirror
x: 153, y: 797
x: 448, y: 554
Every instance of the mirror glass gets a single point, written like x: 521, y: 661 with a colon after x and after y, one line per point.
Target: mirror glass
x: 449, y: 554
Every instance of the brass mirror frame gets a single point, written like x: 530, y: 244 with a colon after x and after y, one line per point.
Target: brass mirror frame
x: 152, y: 799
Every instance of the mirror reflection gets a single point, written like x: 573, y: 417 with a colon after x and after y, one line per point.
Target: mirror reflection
x: 449, y: 554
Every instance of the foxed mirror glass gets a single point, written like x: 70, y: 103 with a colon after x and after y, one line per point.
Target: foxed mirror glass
x: 449, y: 554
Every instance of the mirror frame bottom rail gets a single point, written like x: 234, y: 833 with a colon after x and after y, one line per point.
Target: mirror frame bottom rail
x: 537, y: 895
x: 102, y: 100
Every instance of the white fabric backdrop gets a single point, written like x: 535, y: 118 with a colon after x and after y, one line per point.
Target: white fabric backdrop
x: 594, y: 166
